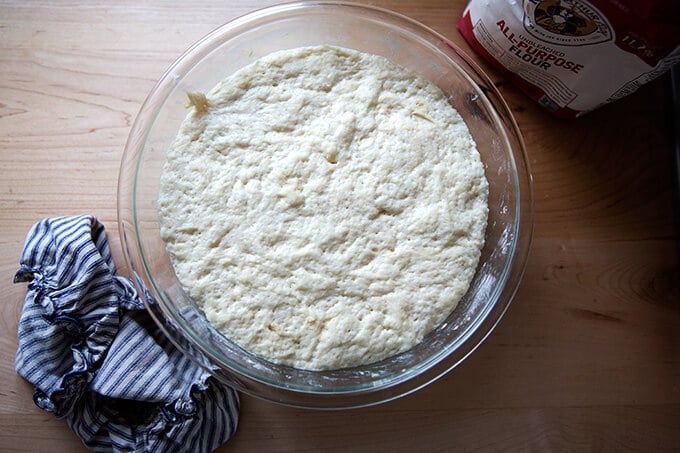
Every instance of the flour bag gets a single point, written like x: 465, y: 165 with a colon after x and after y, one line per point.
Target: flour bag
x: 573, y: 56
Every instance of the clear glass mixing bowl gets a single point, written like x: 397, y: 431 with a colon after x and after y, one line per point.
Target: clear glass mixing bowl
x: 367, y: 29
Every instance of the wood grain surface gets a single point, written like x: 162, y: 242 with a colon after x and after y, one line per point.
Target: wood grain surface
x: 586, y: 359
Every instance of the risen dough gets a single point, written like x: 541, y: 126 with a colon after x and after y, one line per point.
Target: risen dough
x: 327, y: 209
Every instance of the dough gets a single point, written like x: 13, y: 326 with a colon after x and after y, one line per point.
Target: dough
x: 327, y: 208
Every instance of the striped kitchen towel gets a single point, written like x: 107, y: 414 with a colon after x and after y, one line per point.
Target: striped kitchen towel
x: 97, y: 359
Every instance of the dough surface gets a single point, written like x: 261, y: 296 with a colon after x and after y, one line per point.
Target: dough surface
x: 327, y: 209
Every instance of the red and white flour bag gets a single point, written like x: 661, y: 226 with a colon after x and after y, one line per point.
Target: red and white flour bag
x: 572, y: 56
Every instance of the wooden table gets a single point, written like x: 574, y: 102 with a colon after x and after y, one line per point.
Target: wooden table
x: 586, y: 358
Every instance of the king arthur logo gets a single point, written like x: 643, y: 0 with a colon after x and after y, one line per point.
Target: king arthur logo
x: 566, y: 22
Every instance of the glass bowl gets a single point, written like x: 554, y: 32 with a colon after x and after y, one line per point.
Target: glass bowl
x: 366, y: 29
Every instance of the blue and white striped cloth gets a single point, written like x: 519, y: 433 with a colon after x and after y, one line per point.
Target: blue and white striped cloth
x: 97, y: 359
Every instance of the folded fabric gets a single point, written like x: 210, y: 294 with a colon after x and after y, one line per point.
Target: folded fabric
x: 97, y: 359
